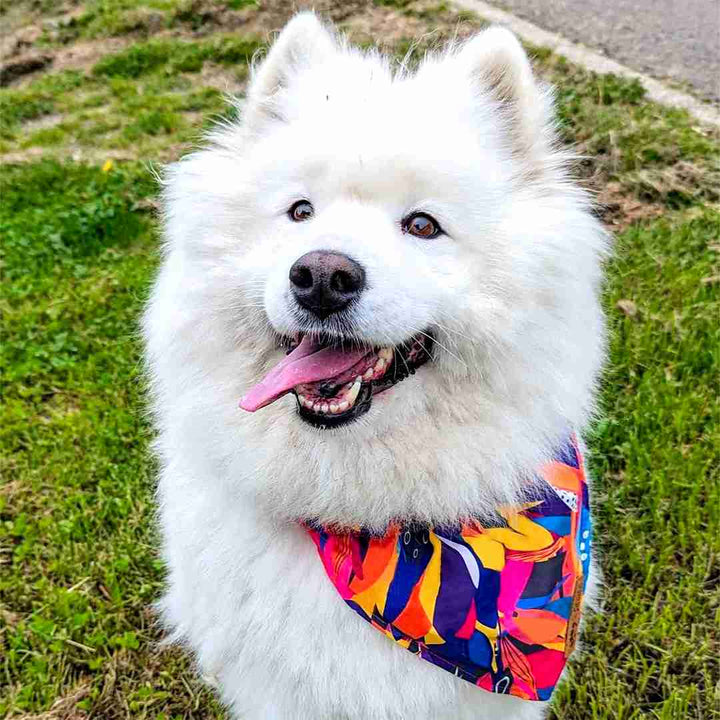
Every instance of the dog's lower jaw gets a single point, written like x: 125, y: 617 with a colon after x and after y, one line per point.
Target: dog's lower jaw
x: 252, y: 601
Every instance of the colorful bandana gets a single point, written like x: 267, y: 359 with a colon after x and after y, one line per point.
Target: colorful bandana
x: 497, y: 606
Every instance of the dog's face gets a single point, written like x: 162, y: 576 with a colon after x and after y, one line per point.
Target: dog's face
x: 370, y: 220
x: 412, y: 241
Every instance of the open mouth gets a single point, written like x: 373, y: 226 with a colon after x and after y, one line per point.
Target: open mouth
x: 334, y: 381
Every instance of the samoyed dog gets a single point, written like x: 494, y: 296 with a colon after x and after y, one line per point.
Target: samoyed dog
x: 373, y: 344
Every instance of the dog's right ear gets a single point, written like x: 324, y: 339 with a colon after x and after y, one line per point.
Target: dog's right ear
x: 303, y: 42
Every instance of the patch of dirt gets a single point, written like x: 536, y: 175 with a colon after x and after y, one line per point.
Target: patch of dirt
x: 618, y: 210
x: 220, y: 78
x: 627, y: 308
x: 270, y: 16
x: 27, y: 29
x: 24, y: 65
x: 21, y: 156
x: 78, y: 56
x: 388, y: 24
x: 9, y: 489
x: 336, y: 11
x: 13, y: 42
x: 11, y: 619
x: 83, y: 55
x: 684, y: 181
x: 41, y: 123
x: 422, y: 22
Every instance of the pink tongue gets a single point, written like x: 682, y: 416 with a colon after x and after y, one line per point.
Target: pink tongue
x: 306, y: 363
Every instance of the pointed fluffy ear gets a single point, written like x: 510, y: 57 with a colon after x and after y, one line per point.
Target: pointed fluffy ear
x: 499, y: 67
x: 303, y: 42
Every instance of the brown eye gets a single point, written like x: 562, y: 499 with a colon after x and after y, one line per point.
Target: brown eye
x: 301, y: 210
x: 422, y: 226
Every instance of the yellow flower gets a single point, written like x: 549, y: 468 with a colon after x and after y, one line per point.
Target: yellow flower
x: 108, y: 166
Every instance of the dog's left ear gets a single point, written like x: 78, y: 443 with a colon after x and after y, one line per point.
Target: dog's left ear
x: 499, y: 68
x: 303, y: 42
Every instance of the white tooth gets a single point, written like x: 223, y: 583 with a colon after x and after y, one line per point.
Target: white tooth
x: 380, y: 365
x: 309, y: 405
x: 386, y: 354
x: 325, y: 408
x: 333, y: 408
x: 301, y: 399
x: 343, y: 406
x: 354, y: 391
x: 368, y: 373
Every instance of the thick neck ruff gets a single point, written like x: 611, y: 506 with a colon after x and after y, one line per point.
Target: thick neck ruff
x: 497, y: 606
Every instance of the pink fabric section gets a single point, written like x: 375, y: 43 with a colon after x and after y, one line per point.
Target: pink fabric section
x: 547, y: 666
x: 513, y: 579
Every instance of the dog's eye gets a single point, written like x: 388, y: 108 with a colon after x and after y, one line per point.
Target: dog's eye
x: 301, y: 210
x: 422, y: 226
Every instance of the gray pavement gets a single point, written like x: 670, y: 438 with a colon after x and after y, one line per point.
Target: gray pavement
x: 667, y: 39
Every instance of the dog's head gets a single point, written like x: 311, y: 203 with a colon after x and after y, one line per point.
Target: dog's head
x: 411, y: 239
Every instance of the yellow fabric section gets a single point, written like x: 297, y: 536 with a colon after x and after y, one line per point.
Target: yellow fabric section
x: 523, y: 533
x: 555, y: 646
x: 490, y: 551
x: 429, y: 589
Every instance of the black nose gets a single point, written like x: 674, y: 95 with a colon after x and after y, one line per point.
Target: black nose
x: 325, y: 282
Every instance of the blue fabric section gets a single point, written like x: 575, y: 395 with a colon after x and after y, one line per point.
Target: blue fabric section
x: 455, y: 594
x: 545, y: 693
x: 585, y: 537
x: 486, y: 597
x: 534, y: 602
x: 561, y: 607
x: 560, y: 525
x: 568, y: 455
x: 480, y: 650
x: 552, y: 506
x: 357, y: 609
x: 413, y: 558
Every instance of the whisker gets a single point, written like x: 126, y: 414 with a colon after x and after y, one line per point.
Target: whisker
x: 449, y: 352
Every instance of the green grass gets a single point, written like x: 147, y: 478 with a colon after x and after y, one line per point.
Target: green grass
x: 654, y: 651
x: 79, y: 250
x: 657, y: 153
x: 145, y: 98
x: 175, y: 56
x: 138, y: 19
x: 79, y: 247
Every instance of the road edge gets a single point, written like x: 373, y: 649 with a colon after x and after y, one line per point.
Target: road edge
x: 591, y: 60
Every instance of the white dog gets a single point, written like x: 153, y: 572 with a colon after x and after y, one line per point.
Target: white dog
x: 384, y: 225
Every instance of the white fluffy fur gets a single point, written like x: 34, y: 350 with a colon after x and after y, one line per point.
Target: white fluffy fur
x: 510, y: 294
